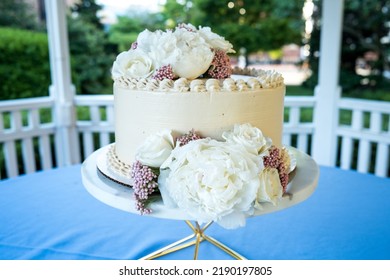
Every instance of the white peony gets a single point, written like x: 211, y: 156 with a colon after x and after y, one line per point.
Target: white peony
x: 270, y: 188
x: 248, y: 136
x: 193, y: 63
x: 215, y: 41
x: 133, y: 64
x: 211, y: 181
x: 192, y: 57
x: 165, y: 52
x: 147, y: 39
x: 155, y: 149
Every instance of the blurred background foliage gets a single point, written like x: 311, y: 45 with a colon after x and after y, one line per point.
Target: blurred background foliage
x: 365, y: 53
x: 258, y: 29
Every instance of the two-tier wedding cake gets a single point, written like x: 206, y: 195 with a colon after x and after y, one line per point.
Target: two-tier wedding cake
x: 189, y: 127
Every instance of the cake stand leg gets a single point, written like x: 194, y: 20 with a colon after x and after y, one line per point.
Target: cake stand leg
x: 225, y: 248
x: 176, y: 246
x: 198, y: 236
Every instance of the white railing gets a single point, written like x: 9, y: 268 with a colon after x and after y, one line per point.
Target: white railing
x: 28, y: 131
x: 95, y: 121
x: 365, y: 134
x: 298, y: 122
x: 24, y: 134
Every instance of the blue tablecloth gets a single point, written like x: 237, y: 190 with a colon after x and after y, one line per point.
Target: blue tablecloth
x: 50, y: 215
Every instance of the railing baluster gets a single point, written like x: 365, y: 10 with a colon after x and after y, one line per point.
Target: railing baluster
x: 104, y: 136
x: 382, y: 160
x: 45, y: 152
x: 1, y: 123
x: 376, y: 128
x: 376, y: 122
x: 44, y: 149
x: 364, y: 151
x: 88, y: 143
x: 110, y: 119
x: 286, y: 139
x: 364, y: 154
x: 302, y: 142
x: 346, y: 152
x: 1, y: 132
x: 28, y: 156
x: 104, y: 139
x: 11, y: 166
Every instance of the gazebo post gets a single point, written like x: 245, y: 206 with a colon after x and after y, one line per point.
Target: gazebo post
x: 328, y: 91
x: 61, y: 90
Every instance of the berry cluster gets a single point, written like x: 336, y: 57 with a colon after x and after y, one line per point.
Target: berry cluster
x: 186, y: 138
x: 275, y: 160
x: 144, y: 184
x: 220, y: 66
x: 164, y: 72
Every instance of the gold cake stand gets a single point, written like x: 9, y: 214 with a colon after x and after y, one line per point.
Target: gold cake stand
x: 197, y: 237
x: 100, y: 183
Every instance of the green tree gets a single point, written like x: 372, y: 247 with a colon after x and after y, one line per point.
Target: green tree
x: 90, y: 62
x: 365, y: 31
x: 17, y: 14
x: 366, y: 24
x: 24, y: 64
x: 91, y: 53
x: 250, y: 24
x: 87, y: 11
x: 126, y: 30
x: 181, y: 11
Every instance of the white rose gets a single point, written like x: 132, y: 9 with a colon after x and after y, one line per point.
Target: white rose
x: 133, y: 64
x: 270, y: 189
x: 248, y: 136
x: 216, y: 41
x: 211, y: 181
x: 156, y: 149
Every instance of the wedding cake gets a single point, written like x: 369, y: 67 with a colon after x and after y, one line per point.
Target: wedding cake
x: 193, y: 130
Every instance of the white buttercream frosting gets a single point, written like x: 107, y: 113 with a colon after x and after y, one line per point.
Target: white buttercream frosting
x: 166, y: 85
x: 181, y: 85
x: 253, y: 83
x: 152, y: 85
x: 229, y: 85
x: 115, y: 165
x: 213, y: 85
x: 257, y: 79
x: 197, y: 86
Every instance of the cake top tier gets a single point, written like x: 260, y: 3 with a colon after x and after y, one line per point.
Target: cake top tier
x: 185, y: 59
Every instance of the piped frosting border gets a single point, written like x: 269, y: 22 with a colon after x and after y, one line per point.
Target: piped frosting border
x: 257, y: 79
